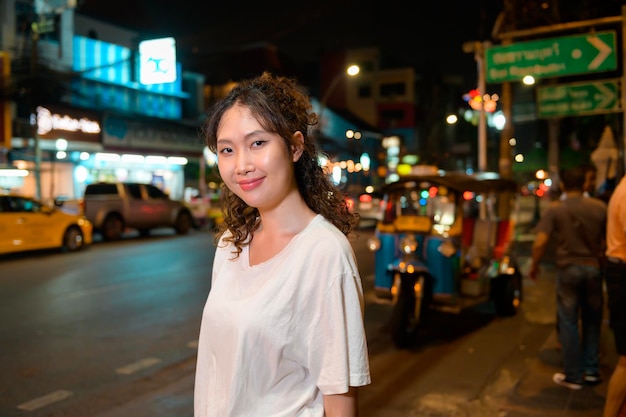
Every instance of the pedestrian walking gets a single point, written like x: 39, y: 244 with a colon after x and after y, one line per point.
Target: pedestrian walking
x: 578, y: 225
x: 282, y: 330
x: 615, y: 275
x: 588, y: 191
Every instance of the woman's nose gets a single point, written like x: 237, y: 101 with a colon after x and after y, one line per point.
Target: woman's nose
x: 244, y: 163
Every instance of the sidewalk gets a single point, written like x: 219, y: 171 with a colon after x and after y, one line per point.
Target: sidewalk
x: 515, y: 380
x: 535, y: 394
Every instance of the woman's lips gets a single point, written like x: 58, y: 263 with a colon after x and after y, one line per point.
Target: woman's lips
x: 250, y: 184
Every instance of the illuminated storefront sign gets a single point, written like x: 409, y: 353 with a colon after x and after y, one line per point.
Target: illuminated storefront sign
x: 48, y: 121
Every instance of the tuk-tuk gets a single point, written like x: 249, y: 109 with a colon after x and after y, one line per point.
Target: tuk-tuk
x: 443, y: 242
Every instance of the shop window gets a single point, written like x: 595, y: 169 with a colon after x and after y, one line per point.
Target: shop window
x: 24, y: 16
x: 365, y: 91
x: 392, y: 89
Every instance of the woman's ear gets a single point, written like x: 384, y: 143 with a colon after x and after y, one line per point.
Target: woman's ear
x: 298, y: 147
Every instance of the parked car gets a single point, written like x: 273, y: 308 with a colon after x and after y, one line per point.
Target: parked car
x: 118, y: 206
x: 29, y: 224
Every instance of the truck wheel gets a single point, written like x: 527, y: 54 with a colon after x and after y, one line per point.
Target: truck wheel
x: 183, y: 223
x: 112, y: 228
x: 72, y: 239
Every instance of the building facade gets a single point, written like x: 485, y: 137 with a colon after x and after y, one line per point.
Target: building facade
x: 105, y: 105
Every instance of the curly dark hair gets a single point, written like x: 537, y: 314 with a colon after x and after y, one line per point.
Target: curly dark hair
x: 280, y: 107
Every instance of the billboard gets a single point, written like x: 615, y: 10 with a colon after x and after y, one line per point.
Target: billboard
x: 157, y: 61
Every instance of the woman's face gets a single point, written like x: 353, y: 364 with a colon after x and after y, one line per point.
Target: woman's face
x: 255, y: 164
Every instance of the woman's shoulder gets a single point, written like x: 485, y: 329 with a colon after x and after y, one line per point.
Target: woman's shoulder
x: 325, y: 237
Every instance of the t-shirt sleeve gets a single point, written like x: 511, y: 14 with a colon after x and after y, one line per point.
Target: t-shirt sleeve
x: 546, y: 221
x: 337, y: 347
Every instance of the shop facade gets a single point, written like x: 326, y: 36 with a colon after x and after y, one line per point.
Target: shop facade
x: 74, y: 147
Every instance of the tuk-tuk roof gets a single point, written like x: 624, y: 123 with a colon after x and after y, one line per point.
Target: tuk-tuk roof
x: 482, y: 182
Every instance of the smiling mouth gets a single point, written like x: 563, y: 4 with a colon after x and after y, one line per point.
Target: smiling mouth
x: 250, y: 185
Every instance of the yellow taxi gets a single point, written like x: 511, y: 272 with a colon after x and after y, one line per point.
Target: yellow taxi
x: 28, y: 224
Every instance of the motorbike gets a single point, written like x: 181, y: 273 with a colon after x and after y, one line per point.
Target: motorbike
x: 443, y: 242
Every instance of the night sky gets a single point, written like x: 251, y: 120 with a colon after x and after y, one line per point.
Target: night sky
x: 426, y: 35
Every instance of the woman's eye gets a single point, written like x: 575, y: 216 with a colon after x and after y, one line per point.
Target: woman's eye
x: 258, y: 143
x: 225, y: 150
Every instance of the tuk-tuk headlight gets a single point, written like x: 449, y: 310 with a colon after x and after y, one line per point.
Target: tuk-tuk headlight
x: 408, y: 244
x: 373, y: 244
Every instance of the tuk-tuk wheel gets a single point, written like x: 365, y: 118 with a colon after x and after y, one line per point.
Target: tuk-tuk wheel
x: 506, y: 293
x: 411, y: 302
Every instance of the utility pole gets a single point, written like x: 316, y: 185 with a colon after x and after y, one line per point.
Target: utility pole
x: 34, y: 63
x: 505, y: 162
x: 40, y: 26
x: 6, y: 132
x: 478, y: 48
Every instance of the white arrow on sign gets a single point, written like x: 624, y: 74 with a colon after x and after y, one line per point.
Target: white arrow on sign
x: 604, y: 51
x: 606, y: 96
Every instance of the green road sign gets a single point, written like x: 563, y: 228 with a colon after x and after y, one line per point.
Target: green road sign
x: 555, y: 57
x: 578, y: 99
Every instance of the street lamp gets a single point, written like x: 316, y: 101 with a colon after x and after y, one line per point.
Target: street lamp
x: 351, y: 71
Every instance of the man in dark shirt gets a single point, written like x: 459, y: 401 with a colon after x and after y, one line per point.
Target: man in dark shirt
x: 578, y: 226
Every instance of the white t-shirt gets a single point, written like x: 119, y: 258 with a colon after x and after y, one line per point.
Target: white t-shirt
x: 277, y: 335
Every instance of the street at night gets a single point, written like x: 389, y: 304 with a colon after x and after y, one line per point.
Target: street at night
x: 111, y: 332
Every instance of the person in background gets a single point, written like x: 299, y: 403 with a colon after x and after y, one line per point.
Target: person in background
x: 578, y: 225
x: 615, y: 276
x: 282, y: 331
x: 589, y: 188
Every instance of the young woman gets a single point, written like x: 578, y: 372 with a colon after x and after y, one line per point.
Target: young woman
x: 282, y: 330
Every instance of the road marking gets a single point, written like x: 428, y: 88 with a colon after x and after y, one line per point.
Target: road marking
x: 48, y: 399
x: 137, y: 366
x: 95, y: 291
x: 193, y: 344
